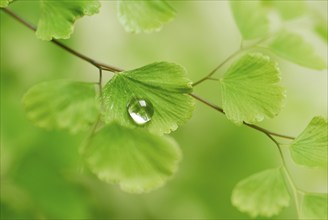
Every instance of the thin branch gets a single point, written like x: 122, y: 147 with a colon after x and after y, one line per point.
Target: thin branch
x: 217, y: 68
x: 237, y: 52
x: 213, y: 79
x: 217, y: 108
x: 263, y: 130
x: 269, y: 132
x: 100, y: 82
x: 18, y: 18
x: 277, y: 145
x: 97, y: 64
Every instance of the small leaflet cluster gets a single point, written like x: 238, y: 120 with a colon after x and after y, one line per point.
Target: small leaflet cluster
x: 248, y: 96
x: 57, y: 18
x: 124, y: 151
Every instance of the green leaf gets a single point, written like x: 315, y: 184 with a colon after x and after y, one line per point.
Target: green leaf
x: 251, y: 18
x: 62, y: 104
x: 321, y: 28
x: 310, y: 147
x: 250, y: 89
x: 262, y: 194
x: 58, y: 17
x: 137, y: 160
x: 144, y: 16
x: 163, y: 84
x: 4, y: 3
x: 289, y: 9
x: 292, y: 47
x: 314, y: 206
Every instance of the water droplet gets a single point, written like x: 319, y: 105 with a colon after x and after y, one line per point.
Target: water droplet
x: 140, y: 110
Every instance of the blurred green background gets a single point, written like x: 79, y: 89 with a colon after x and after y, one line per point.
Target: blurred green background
x: 42, y: 176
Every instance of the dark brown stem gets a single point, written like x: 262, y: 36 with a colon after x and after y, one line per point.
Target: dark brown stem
x: 70, y: 50
x: 269, y: 132
x: 217, y: 108
x: 263, y: 130
x: 100, y: 82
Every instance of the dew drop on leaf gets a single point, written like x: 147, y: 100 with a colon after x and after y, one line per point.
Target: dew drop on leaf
x: 140, y: 110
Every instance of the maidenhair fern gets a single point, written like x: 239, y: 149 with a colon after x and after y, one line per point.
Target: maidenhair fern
x: 129, y: 115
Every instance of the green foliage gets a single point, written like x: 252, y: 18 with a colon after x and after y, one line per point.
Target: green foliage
x: 251, y: 90
x: 292, y: 47
x: 134, y: 158
x: 251, y: 18
x: 135, y: 155
x: 262, y: 194
x: 315, y: 206
x: 164, y: 84
x: 289, y: 9
x: 4, y: 3
x: 57, y: 17
x: 144, y: 16
x: 62, y: 104
x: 310, y: 147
